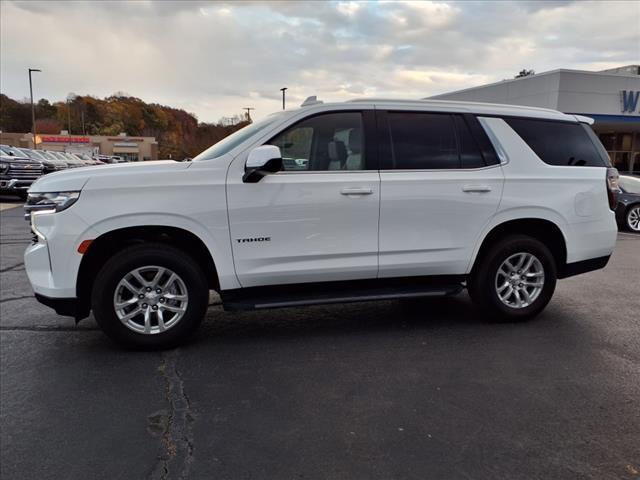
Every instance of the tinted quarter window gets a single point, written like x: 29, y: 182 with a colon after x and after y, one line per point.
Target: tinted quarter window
x: 422, y: 141
x: 470, y: 156
x: 332, y: 141
x: 558, y: 143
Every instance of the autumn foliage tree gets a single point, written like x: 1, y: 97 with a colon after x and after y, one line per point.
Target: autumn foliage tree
x: 178, y: 133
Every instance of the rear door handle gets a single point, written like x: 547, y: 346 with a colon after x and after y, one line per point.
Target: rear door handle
x: 356, y: 191
x: 476, y: 188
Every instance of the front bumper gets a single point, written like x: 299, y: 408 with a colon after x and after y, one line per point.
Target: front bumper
x: 15, y: 185
x: 68, y: 307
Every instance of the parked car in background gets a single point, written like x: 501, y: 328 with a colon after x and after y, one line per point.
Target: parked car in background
x: 628, y: 210
x: 71, y: 161
x: 109, y: 158
x: 50, y: 164
x: 383, y: 199
x: 17, y: 173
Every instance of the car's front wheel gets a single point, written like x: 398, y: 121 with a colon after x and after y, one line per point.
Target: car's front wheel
x: 633, y: 218
x: 514, y: 279
x: 150, y: 296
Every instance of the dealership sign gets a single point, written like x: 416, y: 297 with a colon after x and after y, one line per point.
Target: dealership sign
x: 62, y: 139
x: 629, y: 99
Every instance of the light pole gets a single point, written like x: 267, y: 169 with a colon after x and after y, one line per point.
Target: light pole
x: 248, y: 109
x: 33, y: 109
x: 283, y: 89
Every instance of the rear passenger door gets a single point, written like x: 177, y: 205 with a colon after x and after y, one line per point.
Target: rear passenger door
x: 441, y: 183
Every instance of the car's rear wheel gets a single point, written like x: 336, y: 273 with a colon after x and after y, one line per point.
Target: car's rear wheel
x: 514, y: 279
x: 633, y: 218
x: 150, y: 296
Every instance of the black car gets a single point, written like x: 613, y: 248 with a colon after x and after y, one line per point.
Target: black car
x: 628, y: 210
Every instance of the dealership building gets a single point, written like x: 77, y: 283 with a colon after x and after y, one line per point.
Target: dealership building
x: 132, y: 149
x: 610, y: 97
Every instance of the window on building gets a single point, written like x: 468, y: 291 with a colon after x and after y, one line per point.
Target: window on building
x: 332, y: 141
x: 560, y: 143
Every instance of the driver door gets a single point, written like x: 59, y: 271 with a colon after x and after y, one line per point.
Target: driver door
x: 317, y: 220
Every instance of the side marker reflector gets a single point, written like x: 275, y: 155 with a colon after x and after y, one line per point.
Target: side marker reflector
x: 84, y: 246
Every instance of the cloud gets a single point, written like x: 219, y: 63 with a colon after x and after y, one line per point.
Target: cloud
x: 214, y: 58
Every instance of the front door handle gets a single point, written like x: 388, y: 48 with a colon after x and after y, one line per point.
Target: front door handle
x: 476, y: 188
x: 356, y: 191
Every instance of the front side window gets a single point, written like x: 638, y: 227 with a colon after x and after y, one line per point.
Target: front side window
x: 332, y: 141
x: 422, y: 141
x: 560, y: 143
x: 227, y: 144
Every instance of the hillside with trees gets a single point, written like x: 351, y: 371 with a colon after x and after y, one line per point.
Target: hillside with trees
x: 179, y: 134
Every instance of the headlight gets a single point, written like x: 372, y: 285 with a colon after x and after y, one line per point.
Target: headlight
x: 4, y: 167
x: 50, y: 202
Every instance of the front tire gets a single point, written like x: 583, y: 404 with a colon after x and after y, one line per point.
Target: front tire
x: 150, y: 296
x: 514, y: 280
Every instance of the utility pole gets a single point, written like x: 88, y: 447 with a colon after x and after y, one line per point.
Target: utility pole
x: 283, y: 89
x: 68, y: 117
x: 33, y: 109
x: 248, y: 109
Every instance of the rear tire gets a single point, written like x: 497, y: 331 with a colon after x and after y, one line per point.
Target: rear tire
x: 180, y: 291
x: 508, y: 293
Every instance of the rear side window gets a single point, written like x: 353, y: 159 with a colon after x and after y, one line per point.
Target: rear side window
x: 559, y: 143
x: 423, y: 141
x: 470, y: 156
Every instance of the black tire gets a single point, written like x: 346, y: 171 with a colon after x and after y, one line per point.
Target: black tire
x: 139, y: 256
x: 22, y: 195
x: 482, y: 281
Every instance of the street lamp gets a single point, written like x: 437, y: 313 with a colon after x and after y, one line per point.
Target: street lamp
x: 283, y: 89
x: 33, y: 109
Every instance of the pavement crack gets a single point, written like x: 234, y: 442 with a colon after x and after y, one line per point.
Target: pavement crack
x: 10, y: 299
x: 12, y: 267
x: 46, y: 328
x: 177, y: 437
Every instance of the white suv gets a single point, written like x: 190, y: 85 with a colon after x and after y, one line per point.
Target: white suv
x: 363, y: 200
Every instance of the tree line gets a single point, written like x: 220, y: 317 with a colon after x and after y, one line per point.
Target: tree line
x: 178, y: 133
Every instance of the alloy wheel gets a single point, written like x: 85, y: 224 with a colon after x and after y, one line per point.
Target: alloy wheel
x: 633, y: 218
x: 519, y: 280
x: 150, y: 299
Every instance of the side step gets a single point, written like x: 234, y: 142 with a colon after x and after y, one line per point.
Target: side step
x: 279, y: 296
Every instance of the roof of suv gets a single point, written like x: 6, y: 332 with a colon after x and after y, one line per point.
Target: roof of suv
x: 492, y: 109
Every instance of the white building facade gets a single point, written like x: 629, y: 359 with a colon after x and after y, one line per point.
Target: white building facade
x: 610, y: 97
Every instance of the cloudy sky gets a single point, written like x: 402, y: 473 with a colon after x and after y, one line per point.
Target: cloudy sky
x: 213, y: 58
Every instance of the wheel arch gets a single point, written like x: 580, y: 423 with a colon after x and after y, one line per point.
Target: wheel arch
x: 544, y: 230
x: 108, y: 243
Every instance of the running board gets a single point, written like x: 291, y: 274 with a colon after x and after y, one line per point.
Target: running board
x: 281, y: 296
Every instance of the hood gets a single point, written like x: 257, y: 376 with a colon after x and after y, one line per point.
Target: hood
x: 75, y: 179
x: 12, y: 159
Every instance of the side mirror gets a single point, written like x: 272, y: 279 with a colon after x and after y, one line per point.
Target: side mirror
x: 262, y: 161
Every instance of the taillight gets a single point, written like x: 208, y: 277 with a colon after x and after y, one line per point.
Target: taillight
x: 612, y: 187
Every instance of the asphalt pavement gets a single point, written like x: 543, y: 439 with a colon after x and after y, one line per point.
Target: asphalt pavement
x: 391, y: 390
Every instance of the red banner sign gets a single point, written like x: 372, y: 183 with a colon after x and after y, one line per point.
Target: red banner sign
x: 63, y: 139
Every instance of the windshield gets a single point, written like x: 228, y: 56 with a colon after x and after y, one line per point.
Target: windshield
x: 229, y: 143
x: 630, y: 184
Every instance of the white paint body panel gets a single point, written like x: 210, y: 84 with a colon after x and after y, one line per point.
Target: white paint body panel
x: 429, y: 224
x: 412, y: 222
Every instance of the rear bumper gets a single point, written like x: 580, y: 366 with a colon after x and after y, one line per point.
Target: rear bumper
x: 584, y: 266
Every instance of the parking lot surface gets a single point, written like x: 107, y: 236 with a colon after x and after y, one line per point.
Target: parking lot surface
x: 390, y: 390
